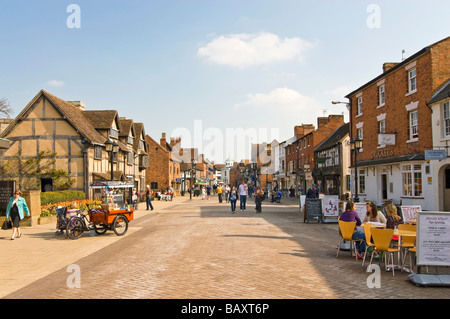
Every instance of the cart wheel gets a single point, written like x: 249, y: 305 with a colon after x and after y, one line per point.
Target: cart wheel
x: 120, y: 225
x: 74, y: 228
x: 100, y: 229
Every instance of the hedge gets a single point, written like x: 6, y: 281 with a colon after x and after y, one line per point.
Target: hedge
x: 61, y: 196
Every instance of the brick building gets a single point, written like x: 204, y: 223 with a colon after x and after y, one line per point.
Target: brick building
x: 164, y: 170
x: 332, y: 158
x: 391, y: 115
x: 300, y: 153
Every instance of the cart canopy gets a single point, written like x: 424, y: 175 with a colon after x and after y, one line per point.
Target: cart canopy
x: 111, y: 184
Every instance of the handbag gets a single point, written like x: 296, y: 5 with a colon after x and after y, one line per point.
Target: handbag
x: 7, y: 224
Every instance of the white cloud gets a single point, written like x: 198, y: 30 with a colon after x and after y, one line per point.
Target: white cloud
x: 280, y: 99
x: 280, y: 109
x: 245, y: 50
x: 55, y: 83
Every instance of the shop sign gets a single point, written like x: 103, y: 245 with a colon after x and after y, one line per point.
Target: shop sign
x: 385, y: 152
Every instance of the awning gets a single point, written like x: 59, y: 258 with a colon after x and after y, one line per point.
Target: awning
x: 111, y: 184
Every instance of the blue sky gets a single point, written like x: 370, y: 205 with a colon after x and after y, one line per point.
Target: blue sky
x: 220, y: 74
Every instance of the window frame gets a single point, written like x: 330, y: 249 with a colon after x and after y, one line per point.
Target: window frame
x: 412, y: 180
x: 446, y: 119
x: 412, y: 80
x: 381, y: 95
x: 413, y: 127
x: 359, y: 106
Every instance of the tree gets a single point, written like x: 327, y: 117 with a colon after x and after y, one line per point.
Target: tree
x: 5, y: 108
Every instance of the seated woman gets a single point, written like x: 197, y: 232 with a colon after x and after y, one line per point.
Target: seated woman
x: 373, y: 214
x: 392, y: 220
x: 350, y: 215
x: 73, y: 210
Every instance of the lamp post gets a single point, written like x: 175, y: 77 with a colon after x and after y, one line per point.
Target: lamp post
x: 255, y: 172
x: 192, y: 177
x: 356, y: 145
x: 112, y: 148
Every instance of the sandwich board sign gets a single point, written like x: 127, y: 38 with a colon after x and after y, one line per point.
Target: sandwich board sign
x: 433, y: 238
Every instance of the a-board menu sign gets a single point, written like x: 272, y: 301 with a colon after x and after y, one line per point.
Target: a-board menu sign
x: 313, y: 210
x: 6, y: 191
x: 410, y: 212
x: 330, y: 206
x: 433, y: 238
x: 361, y: 210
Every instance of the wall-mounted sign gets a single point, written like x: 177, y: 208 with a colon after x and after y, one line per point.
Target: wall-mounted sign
x: 386, y: 139
x: 438, y: 155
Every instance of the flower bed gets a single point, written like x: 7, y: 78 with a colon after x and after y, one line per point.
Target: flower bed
x: 84, y: 204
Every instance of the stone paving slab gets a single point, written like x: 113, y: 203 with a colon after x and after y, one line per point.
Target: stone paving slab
x: 40, y: 252
x: 197, y: 249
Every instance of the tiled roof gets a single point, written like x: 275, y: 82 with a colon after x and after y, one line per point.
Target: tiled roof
x: 442, y: 93
x: 75, y: 116
x: 103, y: 119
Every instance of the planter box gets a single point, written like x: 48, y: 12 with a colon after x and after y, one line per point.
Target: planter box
x: 47, y: 220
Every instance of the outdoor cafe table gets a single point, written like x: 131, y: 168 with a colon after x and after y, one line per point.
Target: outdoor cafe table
x: 403, y: 233
x: 400, y: 234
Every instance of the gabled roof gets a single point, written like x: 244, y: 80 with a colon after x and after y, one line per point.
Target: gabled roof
x: 139, y: 131
x: 103, y: 119
x: 126, y: 126
x: 397, y: 66
x: 334, y: 138
x: 442, y: 93
x: 73, y: 115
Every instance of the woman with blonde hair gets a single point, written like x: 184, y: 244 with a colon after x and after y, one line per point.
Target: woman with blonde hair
x: 392, y: 219
x: 15, y: 209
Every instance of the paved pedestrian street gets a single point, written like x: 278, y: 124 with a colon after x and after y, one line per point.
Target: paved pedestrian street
x: 197, y: 249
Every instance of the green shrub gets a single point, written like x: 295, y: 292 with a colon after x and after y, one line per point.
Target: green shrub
x: 61, y: 196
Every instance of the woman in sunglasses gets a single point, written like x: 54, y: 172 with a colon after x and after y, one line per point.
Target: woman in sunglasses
x: 15, y: 210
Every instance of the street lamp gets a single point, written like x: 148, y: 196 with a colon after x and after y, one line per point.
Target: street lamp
x: 255, y: 172
x: 112, y: 148
x: 194, y: 163
x: 356, y: 145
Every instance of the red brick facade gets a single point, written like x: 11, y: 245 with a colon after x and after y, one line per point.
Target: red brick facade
x: 432, y: 68
x: 396, y: 103
x: 300, y: 154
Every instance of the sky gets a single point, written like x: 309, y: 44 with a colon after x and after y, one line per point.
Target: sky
x: 219, y: 74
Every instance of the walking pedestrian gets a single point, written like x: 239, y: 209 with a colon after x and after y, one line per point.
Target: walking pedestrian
x: 220, y: 192
x: 203, y: 193
x: 15, y: 209
x: 227, y: 193
x: 134, y: 199
x: 259, y: 197
x: 243, y: 192
x: 148, y: 197
x: 233, y: 199
x: 208, y: 192
x: 312, y: 192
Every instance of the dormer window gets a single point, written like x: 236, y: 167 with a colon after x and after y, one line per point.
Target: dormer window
x: 114, y: 133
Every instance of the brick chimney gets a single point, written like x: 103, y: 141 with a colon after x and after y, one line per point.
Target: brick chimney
x: 302, y: 130
x: 388, y: 65
x: 162, y: 141
x: 332, y: 121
